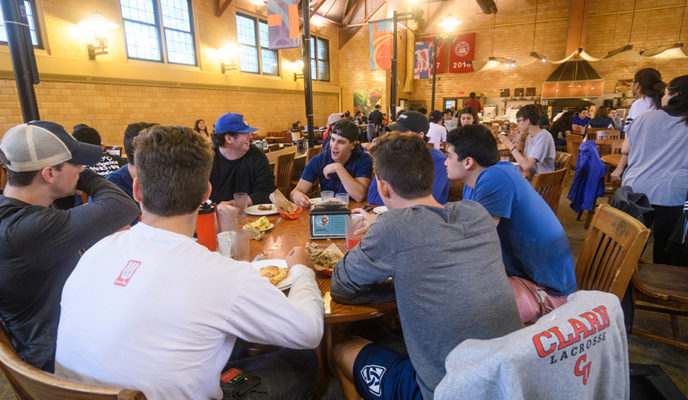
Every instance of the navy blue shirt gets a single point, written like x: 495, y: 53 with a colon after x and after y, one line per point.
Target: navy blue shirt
x: 122, y: 178
x: 534, y: 244
x: 440, y: 185
x: 359, y: 165
x: 581, y: 122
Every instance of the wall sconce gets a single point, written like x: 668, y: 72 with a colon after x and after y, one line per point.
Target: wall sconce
x: 298, y: 69
x: 97, y: 26
x: 229, y: 53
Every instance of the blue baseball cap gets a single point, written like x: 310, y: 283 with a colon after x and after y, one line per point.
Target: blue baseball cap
x: 231, y: 122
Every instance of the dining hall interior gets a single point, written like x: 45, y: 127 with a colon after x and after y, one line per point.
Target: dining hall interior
x: 304, y: 80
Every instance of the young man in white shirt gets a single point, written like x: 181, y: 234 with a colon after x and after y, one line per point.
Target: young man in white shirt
x: 437, y: 133
x: 151, y: 309
x: 540, y: 150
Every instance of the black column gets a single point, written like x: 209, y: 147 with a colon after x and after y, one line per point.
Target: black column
x: 23, y: 60
x: 434, y: 71
x: 307, y: 82
x: 393, y: 84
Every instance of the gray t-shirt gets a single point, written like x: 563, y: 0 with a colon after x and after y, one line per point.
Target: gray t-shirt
x: 541, y: 147
x: 449, y: 280
x: 658, y: 160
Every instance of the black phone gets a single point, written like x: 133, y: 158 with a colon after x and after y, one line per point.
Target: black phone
x: 368, y: 208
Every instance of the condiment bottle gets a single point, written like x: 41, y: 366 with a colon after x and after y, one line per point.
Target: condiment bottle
x: 205, y: 226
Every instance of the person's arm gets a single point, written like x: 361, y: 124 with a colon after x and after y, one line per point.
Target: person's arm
x: 623, y: 161
x: 524, y: 163
x: 264, y: 181
x: 356, y: 187
x: 298, y: 195
x: 81, y: 226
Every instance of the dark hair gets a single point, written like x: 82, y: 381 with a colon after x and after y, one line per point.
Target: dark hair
x: 651, y: 85
x: 612, y: 108
x: 86, y: 134
x: 218, y: 139
x: 377, y: 106
x: 423, y: 110
x: 173, y: 168
x: 21, y: 179
x: 564, y: 123
x: 205, y: 130
x: 130, y: 133
x: 393, y: 149
x: 447, y: 110
x: 347, y: 113
x: 401, y: 111
x: 602, y: 111
x: 678, y: 105
x: 475, y: 141
x: 471, y: 95
x: 530, y: 112
x: 469, y: 110
x: 582, y: 108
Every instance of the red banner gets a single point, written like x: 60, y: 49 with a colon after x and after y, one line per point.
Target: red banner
x: 461, y: 53
x: 441, y: 59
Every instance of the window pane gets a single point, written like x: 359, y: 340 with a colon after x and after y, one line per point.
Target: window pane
x: 263, y: 34
x: 29, y: 17
x: 142, y: 41
x: 175, y: 14
x: 180, y: 47
x: 269, y: 61
x: 324, y: 70
x: 138, y: 10
x: 246, y: 30
x: 323, y: 51
x: 312, y: 47
x: 249, y: 59
x: 314, y: 70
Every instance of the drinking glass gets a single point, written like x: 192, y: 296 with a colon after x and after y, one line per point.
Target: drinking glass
x: 353, y: 223
x: 240, y: 202
x: 326, y: 195
x: 343, y: 197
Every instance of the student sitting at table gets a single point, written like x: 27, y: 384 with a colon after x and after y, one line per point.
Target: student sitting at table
x: 415, y: 123
x: 344, y: 168
x: 151, y: 309
x: 239, y: 167
x: 535, y: 249
x: 581, y: 119
x: 540, y: 150
x: 449, y: 280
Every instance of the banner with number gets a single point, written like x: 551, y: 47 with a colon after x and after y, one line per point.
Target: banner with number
x: 462, y: 53
x: 283, y: 24
x: 422, y: 68
x: 381, y: 44
x: 441, y: 58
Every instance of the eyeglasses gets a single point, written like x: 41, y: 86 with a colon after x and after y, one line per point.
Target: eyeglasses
x: 520, y: 119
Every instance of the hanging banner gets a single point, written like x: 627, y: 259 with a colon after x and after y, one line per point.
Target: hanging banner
x: 381, y: 44
x: 283, y: 24
x: 441, y: 58
x: 422, y: 68
x: 462, y: 53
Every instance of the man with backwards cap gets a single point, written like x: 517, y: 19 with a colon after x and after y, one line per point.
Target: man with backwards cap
x: 413, y: 122
x: 344, y: 168
x: 41, y: 245
x: 239, y: 167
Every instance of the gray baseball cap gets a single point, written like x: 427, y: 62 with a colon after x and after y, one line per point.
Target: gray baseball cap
x: 39, y: 144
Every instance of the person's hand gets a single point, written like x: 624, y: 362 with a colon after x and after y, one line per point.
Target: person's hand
x: 616, y: 175
x: 369, y: 219
x: 298, y: 255
x: 331, y: 169
x: 227, y: 203
x: 506, y: 141
x: 300, y: 199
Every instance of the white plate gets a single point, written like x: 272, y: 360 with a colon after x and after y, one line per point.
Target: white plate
x: 253, y: 210
x: 284, y: 283
x: 380, y: 209
x: 315, y: 200
x: 262, y: 230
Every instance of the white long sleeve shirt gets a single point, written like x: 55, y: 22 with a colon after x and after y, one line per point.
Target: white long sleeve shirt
x: 152, y: 310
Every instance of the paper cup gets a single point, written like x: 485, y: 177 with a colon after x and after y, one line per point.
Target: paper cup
x: 224, y: 243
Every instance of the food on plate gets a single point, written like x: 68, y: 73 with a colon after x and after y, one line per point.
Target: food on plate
x: 253, y: 233
x: 274, y: 273
x: 266, y: 207
x: 323, y: 259
x: 281, y: 202
x: 261, y: 224
x: 314, y: 201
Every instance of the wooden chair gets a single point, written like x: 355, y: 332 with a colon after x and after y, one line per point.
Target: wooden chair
x: 562, y: 160
x: 610, y: 252
x: 662, y: 288
x: 549, y: 186
x: 573, y: 142
x: 312, y: 152
x: 30, y: 383
x: 274, y: 147
x: 605, y: 134
x: 285, y: 167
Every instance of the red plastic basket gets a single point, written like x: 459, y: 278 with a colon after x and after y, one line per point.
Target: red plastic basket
x: 293, y: 215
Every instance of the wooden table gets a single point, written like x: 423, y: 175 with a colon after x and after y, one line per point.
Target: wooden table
x: 289, y: 233
x: 611, y: 160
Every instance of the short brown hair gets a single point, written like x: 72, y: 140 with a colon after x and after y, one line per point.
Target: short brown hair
x: 395, y: 149
x: 21, y: 179
x: 173, y: 166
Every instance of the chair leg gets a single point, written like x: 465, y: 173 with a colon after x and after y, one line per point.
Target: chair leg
x: 674, y: 326
x: 579, y: 215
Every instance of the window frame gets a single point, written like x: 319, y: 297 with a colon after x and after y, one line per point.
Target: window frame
x: 37, y: 27
x: 161, y: 36
x: 314, y: 56
x: 258, y: 48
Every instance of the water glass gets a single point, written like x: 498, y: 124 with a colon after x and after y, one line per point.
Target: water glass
x: 224, y: 243
x: 326, y: 195
x: 353, y: 223
x: 241, y: 246
x: 240, y: 202
x: 343, y: 197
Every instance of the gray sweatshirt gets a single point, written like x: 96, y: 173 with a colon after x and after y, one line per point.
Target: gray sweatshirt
x: 449, y: 281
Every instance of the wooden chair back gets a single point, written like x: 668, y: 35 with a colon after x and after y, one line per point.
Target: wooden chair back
x: 30, y: 383
x: 285, y: 167
x: 608, y: 146
x: 573, y: 142
x: 312, y: 152
x: 274, y: 147
x: 610, y: 252
x: 607, y: 134
x: 562, y: 160
x: 549, y: 186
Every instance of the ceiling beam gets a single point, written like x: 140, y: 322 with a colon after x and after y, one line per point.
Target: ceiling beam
x: 350, y: 13
x: 440, y: 9
x: 346, y: 35
x: 315, y: 9
x: 220, y: 9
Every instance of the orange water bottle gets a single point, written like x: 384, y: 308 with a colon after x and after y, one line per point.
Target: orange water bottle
x: 205, y: 226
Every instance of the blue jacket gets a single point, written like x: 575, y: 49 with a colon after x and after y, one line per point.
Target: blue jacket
x: 588, y: 182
